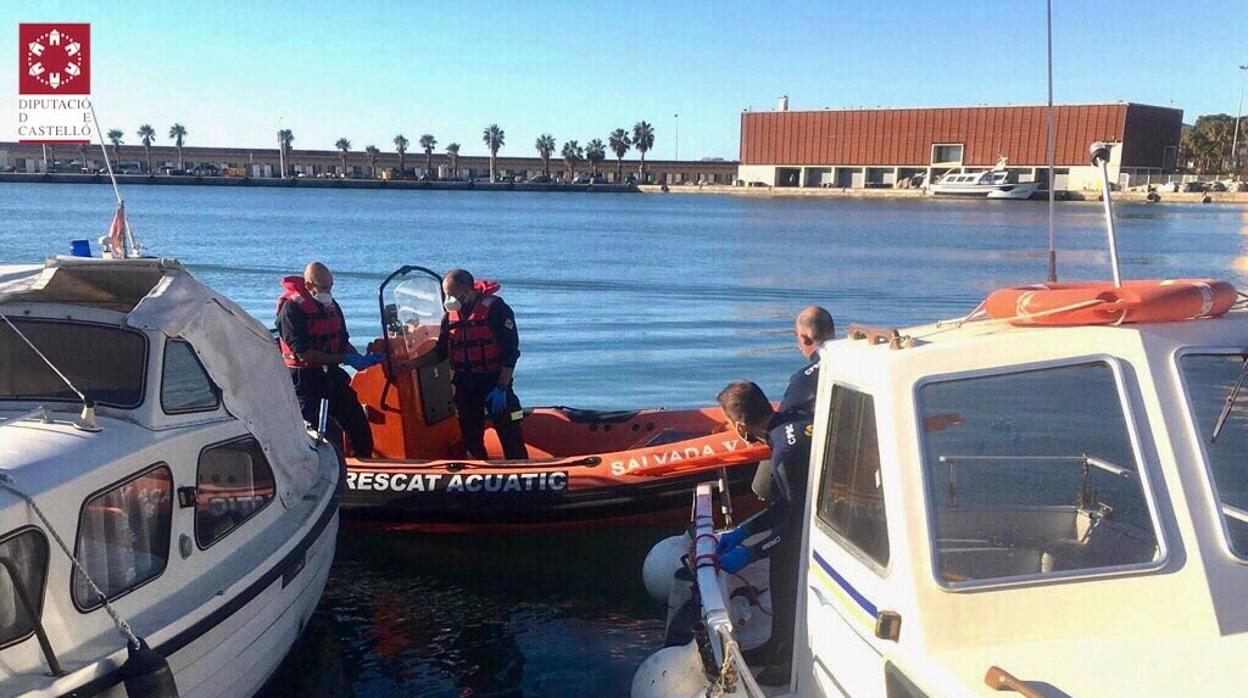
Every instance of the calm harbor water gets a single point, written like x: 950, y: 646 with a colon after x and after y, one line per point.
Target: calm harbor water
x: 622, y: 301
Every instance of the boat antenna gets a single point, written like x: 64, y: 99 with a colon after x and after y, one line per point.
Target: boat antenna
x: 135, y: 250
x: 1100, y: 158
x: 1051, y: 153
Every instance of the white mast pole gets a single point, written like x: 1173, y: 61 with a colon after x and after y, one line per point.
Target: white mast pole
x: 1052, y: 154
x: 134, y: 248
x: 1100, y: 157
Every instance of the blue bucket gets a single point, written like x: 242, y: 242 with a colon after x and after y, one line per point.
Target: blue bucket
x: 80, y: 248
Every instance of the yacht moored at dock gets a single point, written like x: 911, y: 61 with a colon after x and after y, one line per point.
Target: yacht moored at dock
x: 159, y: 491
x: 997, y: 183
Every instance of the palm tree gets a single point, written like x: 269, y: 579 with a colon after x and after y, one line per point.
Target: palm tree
x: 82, y: 153
x: 148, y: 134
x: 178, y: 133
x: 373, y: 152
x: 452, y: 154
x: 114, y: 136
x: 643, y: 140
x: 400, y: 146
x: 428, y: 142
x: 572, y: 154
x: 595, y: 152
x: 344, y: 146
x: 284, y: 138
x: 493, y: 137
x: 545, y: 148
x: 620, y: 143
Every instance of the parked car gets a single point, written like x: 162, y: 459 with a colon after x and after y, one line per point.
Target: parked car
x: 1215, y: 185
x: 7, y: 168
x: 205, y: 170
x: 129, y: 167
x: 1169, y: 188
x: 541, y: 179
x: 1192, y: 187
x: 630, y: 180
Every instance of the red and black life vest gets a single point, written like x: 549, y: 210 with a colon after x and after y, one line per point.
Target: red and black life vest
x: 471, y: 342
x: 325, y: 324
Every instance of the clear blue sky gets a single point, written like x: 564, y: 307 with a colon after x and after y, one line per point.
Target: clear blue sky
x: 232, y: 71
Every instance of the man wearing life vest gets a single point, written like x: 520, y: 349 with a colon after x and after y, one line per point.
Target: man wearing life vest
x: 479, y: 337
x: 788, y: 434
x: 314, y: 342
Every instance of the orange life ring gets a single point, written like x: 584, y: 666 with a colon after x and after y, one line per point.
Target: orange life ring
x: 1100, y: 303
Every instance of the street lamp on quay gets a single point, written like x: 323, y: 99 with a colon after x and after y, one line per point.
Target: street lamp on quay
x: 1239, y: 113
x: 677, y: 132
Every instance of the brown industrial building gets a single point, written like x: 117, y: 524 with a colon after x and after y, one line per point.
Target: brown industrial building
x: 885, y: 147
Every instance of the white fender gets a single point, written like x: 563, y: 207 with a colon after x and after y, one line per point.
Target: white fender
x: 662, y: 562
x: 672, y: 672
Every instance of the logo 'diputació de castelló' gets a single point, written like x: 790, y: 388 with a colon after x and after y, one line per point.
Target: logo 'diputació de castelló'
x: 56, y: 59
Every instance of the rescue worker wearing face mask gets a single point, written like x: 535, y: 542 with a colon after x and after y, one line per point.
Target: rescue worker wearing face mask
x: 314, y: 342
x: 479, y: 337
x: 789, y: 435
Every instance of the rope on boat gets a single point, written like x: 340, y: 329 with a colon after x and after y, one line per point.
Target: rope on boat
x: 132, y: 640
x: 947, y: 325
x: 733, y: 669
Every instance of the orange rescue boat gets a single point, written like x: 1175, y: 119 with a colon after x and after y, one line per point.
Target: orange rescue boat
x: 586, y: 467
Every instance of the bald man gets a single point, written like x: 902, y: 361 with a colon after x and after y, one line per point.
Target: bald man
x: 314, y: 341
x: 812, y: 327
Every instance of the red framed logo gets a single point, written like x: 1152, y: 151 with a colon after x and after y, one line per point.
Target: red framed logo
x: 54, y: 59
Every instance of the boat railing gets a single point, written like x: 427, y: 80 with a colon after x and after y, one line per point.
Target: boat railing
x: 729, y: 663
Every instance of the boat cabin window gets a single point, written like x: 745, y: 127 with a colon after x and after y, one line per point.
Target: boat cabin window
x: 23, y: 573
x: 1033, y: 474
x: 1210, y: 380
x: 851, y: 501
x: 185, y: 385
x: 234, y: 482
x: 108, y: 364
x: 123, y: 536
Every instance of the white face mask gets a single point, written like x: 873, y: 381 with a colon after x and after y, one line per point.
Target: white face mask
x: 452, y: 304
x: 324, y: 298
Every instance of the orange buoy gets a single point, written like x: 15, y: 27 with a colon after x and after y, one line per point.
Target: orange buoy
x: 1100, y: 303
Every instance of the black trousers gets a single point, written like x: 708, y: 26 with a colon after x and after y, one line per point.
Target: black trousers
x: 470, y: 392
x: 312, y: 384
x: 782, y: 576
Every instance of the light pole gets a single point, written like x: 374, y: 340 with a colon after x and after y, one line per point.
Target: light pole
x: 677, y: 132
x: 1238, y: 115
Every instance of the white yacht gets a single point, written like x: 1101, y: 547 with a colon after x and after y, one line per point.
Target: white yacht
x: 167, y: 520
x: 997, y: 183
x: 1046, y: 497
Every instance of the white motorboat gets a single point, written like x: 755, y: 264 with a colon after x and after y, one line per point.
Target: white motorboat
x: 997, y: 183
x: 1046, y: 496
x: 150, y: 431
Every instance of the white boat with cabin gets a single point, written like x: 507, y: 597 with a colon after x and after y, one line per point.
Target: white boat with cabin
x: 147, y: 423
x: 1049, y: 500
x: 997, y: 183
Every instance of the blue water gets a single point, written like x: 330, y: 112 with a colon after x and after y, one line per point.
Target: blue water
x: 622, y: 301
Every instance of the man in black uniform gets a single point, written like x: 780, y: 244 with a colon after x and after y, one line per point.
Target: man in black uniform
x: 314, y: 341
x: 789, y: 434
x: 812, y: 327
x: 479, y: 337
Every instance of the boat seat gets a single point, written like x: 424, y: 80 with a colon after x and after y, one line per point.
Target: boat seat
x: 968, y: 560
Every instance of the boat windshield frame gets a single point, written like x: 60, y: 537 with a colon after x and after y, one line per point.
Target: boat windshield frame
x: 1211, y: 493
x: 1144, y: 468
x: 143, y: 370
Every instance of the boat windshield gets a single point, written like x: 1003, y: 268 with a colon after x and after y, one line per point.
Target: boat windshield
x: 1209, y: 379
x: 1033, y: 474
x: 108, y: 364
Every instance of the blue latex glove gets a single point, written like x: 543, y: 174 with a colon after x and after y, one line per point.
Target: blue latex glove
x: 375, y: 358
x: 496, y: 401
x: 734, y: 559
x: 362, y: 361
x: 732, y: 538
